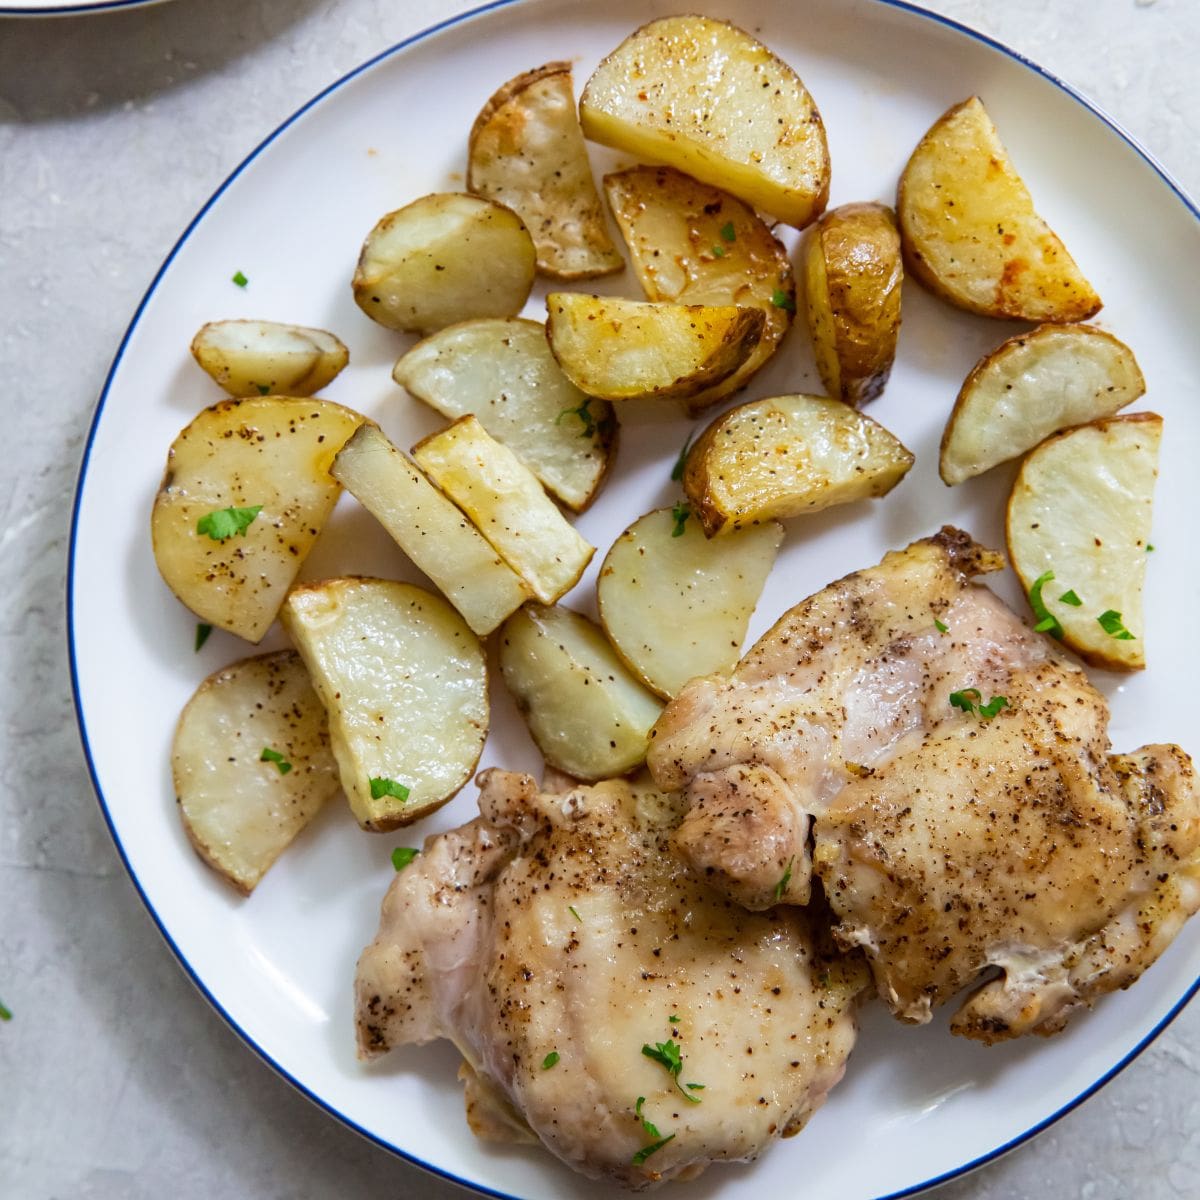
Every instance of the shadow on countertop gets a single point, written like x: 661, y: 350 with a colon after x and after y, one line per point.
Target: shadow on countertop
x: 58, y: 67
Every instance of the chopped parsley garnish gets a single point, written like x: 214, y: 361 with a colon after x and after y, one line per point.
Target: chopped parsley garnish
x: 971, y: 700
x: 571, y: 910
x: 785, y: 879
x: 728, y: 234
x: 273, y: 756
x: 718, y: 251
x: 667, y: 1055
x: 5, y: 1014
x: 680, y: 514
x: 695, y: 1087
x: 674, y: 1019
x: 1069, y: 597
x: 584, y: 413
x: 1110, y: 621
x: 402, y: 856
x: 781, y: 299
x: 681, y: 461
x: 202, y: 632
x: 388, y: 787
x: 240, y: 279
x: 550, y: 1060
x: 263, y: 389
x: 1047, y: 622
x: 1149, y: 547
x: 645, y: 1152
x: 940, y: 627
x: 650, y: 1130
x: 223, y: 523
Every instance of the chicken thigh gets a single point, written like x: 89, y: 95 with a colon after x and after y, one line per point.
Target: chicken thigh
x: 603, y: 998
x: 969, y: 821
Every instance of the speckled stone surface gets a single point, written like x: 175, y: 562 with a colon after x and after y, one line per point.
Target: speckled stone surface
x: 116, y: 1080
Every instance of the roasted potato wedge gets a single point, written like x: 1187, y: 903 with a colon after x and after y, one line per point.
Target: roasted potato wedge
x: 252, y: 764
x: 788, y: 455
x: 852, y: 276
x: 503, y: 372
x: 627, y: 350
x: 676, y: 604
x: 405, y: 685
x: 499, y: 493
x: 245, y: 493
x: 526, y: 151
x: 970, y: 232
x: 1031, y: 386
x: 430, y: 530
x: 705, y: 97
x: 1078, y: 527
x: 694, y: 244
x: 442, y: 259
x: 587, y: 714
x: 264, y: 358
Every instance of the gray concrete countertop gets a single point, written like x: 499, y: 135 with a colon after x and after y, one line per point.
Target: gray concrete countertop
x: 117, y: 1082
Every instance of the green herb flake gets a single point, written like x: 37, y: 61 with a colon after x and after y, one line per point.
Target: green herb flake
x: 728, y: 234
x: 571, y: 909
x: 550, y: 1060
x: 223, y: 523
x: 718, y: 251
x: 645, y: 1152
x: 263, y: 390
x: 1069, y: 597
x: 1149, y: 547
x: 681, y: 461
x: 1047, y: 621
x: 781, y: 299
x: 1110, y: 621
x: 584, y: 413
x: 381, y: 787
x: 240, y: 279
x: 785, y: 879
x: 202, y: 632
x: 667, y: 1055
x: 5, y: 1013
x: 940, y: 627
x: 273, y: 756
x: 680, y: 514
x: 971, y: 700
x: 402, y: 856
x: 673, y: 1019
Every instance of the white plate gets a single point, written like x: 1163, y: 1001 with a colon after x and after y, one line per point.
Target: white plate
x: 66, y: 8
x: 279, y: 965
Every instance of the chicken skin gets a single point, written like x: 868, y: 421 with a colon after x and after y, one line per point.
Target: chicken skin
x: 605, y: 1000
x: 953, y: 767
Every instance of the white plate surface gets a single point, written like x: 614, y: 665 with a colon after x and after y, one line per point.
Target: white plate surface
x: 66, y: 8
x: 916, y: 1105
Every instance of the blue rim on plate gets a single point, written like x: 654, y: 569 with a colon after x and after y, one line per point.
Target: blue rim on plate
x: 903, y: 5
x: 80, y: 10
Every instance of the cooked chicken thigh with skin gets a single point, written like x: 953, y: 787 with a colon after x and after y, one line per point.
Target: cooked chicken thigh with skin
x: 951, y: 843
x: 556, y: 936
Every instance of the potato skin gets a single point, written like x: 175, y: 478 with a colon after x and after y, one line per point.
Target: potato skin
x: 853, y: 304
x: 787, y: 455
x: 526, y: 150
x: 992, y: 255
x: 706, y: 97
